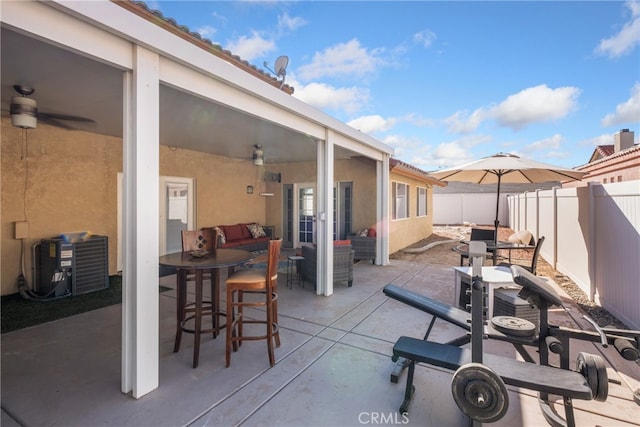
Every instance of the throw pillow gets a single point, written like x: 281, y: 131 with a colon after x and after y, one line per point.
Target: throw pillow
x: 341, y: 242
x: 372, y: 232
x: 363, y: 233
x: 256, y: 230
x: 523, y: 236
x: 221, y: 236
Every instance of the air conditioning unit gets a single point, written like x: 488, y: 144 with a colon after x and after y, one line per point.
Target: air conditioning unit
x: 72, y: 267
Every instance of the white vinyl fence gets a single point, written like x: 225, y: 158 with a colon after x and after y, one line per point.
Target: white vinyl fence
x: 592, y: 235
x: 478, y: 208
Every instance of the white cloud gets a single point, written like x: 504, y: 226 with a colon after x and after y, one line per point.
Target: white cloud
x: 627, y: 112
x: 546, y: 144
x: 462, y: 122
x: 321, y: 95
x: 532, y: 105
x: 207, y: 31
x: 425, y: 38
x: 605, y: 139
x: 343, y: 59
x: 251, y: 47
x: 402, y: 145
x: 372, y: 124
x: 457, y: 152
x: 288, y: 23
x: 626, y: 39
x: 535, y: 105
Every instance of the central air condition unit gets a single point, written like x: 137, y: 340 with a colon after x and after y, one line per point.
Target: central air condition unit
x: 76, y: 267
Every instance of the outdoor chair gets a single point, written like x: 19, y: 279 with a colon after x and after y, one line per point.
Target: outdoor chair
x: 364, y: 247
x: 343, y: 256
x: 260, y: 285
x: 477, y: 234
x: 534, y: 259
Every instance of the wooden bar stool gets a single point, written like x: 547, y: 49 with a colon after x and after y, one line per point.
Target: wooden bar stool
x: 260, y: 283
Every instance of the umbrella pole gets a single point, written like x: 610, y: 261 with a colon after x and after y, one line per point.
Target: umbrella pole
x: 496, y: 223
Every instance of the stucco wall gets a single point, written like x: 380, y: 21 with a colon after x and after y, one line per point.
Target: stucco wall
x: 221, y: 186
x: 58, y: 181
x: 360, y: 171
x: 64, y: 181
x: 68, y: 182
x: 405, y: 232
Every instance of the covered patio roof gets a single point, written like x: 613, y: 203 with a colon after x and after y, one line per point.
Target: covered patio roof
x: 136, y: 80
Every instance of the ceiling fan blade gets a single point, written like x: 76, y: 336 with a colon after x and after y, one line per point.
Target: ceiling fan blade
x: 54, y: 116
x: 54, y: 122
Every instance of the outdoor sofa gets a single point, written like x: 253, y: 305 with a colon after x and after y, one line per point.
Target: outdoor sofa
x: 248, y: 236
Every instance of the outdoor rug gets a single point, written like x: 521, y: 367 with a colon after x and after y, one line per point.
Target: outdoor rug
x: 17, y: 312
x: 260, y: 261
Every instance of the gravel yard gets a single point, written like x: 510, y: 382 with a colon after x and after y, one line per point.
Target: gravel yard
x: 440, y: 250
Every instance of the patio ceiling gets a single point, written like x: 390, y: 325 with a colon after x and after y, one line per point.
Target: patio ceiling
x: 71, y: 84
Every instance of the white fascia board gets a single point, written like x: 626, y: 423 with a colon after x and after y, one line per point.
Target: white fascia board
x: 141, y: 31
x: 357, y: 146
x: 62, y: 29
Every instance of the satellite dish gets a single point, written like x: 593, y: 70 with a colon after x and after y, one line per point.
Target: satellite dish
x: 280, y: 67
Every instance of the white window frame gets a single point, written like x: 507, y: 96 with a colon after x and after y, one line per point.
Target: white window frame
x: 400, y: 201
x: 422, y: 201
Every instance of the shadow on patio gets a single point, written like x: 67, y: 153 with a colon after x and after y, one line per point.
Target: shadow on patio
x: 332, y: 369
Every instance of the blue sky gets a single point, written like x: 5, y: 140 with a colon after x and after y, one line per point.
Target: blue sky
x: 445, y: 83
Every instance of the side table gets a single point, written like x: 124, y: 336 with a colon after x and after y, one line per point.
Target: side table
x: 291, y: 261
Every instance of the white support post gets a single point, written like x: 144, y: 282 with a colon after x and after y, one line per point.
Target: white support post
x: 382, y: 211
x: 324, y: 228
x: 141, y: 154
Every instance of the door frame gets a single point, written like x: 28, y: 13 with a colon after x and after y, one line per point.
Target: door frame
x: 191, y: 211
x: 296, y: 212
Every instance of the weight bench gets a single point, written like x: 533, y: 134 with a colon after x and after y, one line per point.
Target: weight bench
x: 544, y: 379
x: 589, y: 381
x: 437, y: 310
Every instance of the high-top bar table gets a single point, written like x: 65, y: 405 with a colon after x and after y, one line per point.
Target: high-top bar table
x: 210, y: 262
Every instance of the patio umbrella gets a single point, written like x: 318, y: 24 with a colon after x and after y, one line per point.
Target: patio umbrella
x: 507, y: 168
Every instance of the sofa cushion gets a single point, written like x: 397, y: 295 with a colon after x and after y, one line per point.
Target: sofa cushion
x: 341, y: 242
x: 233, y: 232
x: 256, y: 231
x: 246, y: 234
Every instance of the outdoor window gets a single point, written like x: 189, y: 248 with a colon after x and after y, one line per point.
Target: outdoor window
x: 422, y: 201
x: 400, y: 200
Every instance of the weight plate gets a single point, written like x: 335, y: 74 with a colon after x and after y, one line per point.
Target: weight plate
x: 595, y: 371
x: 480, y: 393
x: 603, y: 380
x: 587, y: 367
x: 514, y: 326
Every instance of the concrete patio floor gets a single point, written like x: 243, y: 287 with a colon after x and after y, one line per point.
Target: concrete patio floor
x: 332, y: 368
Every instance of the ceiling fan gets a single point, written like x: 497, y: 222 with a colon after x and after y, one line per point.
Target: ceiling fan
x: 24, y: 112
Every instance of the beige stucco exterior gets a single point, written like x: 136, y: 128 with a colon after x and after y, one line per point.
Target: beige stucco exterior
x: 405, y: 232
x: 67, y: 182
